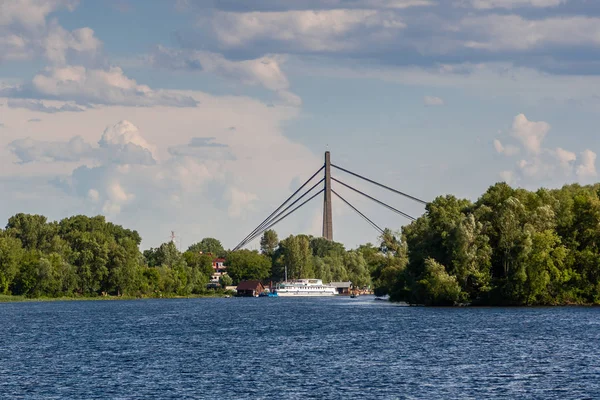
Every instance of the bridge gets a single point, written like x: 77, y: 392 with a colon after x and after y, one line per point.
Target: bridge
x: 323, y: 186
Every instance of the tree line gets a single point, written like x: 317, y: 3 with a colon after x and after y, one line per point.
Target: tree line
x: 510, y: 247
x: 88, y: 256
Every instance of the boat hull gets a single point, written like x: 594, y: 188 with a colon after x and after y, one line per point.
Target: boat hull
x: 304, y: 294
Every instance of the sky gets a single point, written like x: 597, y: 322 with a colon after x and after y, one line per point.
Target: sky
x: 201, y: 117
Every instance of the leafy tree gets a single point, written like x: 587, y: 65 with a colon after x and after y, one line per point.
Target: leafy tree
x: 209, y: 245
x: 225, y: 280
x: 437, y: 287
x: 11, y: 254
x: 269, y: 242
x: 246, y: 264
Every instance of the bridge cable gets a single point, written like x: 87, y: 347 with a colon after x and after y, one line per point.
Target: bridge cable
x: 375, y: 200
x: 359, y: 213
x: 381, y: 185
x: 285, y: 216
x: 260, y: 228
x: 266, y: 221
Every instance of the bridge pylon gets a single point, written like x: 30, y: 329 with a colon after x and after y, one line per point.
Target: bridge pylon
x: 327, y: 215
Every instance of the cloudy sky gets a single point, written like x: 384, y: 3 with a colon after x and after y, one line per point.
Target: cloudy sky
x: 202, y: 116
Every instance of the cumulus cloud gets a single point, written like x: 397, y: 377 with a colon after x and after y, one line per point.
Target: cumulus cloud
x: 319, y: 31
x: 530, y: 133
x: 433, y: 101
x: 123, y: 134
x: 543, y: 163
x: 508, y: 150
x: 59, y: 43
x: 95, y: 86
x: 587, y: 168
x: 264, y: 71
x: 565, y: 158
x: 120, y: 144
x: 26, y: 34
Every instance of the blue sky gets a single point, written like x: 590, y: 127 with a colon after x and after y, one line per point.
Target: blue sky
x: 202, y: 116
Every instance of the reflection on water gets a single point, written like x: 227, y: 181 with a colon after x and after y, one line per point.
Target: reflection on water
x: 289, y: 348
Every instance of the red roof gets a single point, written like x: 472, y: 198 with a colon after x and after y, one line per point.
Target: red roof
x: 249, y: 285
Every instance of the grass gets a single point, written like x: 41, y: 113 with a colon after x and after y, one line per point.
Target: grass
x: 14, y: 299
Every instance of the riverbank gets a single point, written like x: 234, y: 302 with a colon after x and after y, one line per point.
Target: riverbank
x: 17, y: 299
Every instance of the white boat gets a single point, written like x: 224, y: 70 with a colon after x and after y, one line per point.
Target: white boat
x: 305, y: 288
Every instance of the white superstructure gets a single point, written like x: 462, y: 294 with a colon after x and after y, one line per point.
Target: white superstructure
x: 305, y: 287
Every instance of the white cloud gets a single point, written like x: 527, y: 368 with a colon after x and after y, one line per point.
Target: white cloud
x: 565, y: 158
x: 530, y: 133
x: 264, y: 71
x: 240, y: 201
x: 122, y: 134
x: 587, y: 168
x: 508, y: 150
x: 117, y: 197
x: 120, y: 144
x: 59, y: 42
x: 25, y: 33
x: 433, y: 101
x: 513, y: 32
x: 95, y: 86
x: 509, y: 4
x: 322, y: 31
x: 541, y: 163
x: 259, y: 161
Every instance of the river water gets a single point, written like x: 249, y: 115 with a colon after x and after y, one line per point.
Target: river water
x: 270, y: 348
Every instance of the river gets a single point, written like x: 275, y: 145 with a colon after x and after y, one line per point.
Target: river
x: 270, y: 348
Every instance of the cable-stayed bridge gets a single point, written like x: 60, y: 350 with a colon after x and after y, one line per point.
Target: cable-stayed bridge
x: 323, y: 186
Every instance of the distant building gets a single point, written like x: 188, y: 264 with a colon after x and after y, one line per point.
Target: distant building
x: 250, y: 288
x: 219, y: 269
x: 342, y: 287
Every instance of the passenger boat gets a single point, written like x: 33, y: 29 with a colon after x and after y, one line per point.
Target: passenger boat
x: 305, y: 288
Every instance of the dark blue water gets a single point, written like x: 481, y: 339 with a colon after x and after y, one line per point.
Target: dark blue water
x: 270, y: 348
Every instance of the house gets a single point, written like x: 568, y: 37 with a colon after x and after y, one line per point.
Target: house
x: 250, y: 288
x: 219, y: 269
x: 342, y: 287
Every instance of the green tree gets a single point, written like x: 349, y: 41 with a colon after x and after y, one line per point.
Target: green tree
x: 269, y: 242
x: 209, y: 245
x: 246, y: 265
x: 225, y: 280
x: 437, y: 287
x: 11, y: 254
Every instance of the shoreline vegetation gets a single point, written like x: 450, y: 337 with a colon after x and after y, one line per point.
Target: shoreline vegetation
x: 19, y: 299
x: 511, y: 247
